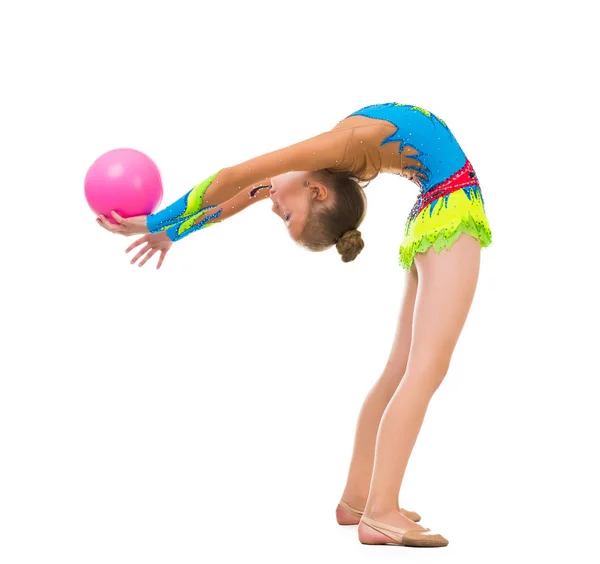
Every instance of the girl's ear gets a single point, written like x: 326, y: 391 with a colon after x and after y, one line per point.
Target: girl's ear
x: 320, y: 190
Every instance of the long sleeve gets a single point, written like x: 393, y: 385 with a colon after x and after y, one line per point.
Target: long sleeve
x: 210, y: 215
x: 189, y: 214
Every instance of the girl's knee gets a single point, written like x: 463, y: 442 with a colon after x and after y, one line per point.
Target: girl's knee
x: 427, y: 376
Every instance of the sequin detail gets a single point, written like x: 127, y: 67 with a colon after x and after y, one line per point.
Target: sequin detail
x: 181, y: 210
x: 465, y: 177
x: 188, y: 226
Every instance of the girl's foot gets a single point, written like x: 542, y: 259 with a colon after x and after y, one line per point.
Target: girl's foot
x: 395, y: 528
x: 347, y: 515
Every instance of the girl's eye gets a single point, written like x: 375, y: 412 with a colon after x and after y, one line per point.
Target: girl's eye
x: 287, y: 216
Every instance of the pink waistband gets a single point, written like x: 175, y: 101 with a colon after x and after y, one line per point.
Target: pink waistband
x: 464, y: 177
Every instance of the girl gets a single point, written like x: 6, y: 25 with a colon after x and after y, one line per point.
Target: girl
x: 316, y: 187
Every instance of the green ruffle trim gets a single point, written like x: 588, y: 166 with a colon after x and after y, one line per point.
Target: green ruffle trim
x: 445, y: 238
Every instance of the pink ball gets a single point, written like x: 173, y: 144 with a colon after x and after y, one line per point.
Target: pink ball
x: 123, y: 180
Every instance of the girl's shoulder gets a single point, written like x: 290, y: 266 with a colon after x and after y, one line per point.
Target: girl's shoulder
x: 365, y: 127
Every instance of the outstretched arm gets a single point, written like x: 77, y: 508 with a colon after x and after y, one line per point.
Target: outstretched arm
x: 191, y: 213
x: 232, y: 189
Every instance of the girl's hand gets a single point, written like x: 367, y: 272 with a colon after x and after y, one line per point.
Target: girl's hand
x: 154, y: 242
x: 124, y: 226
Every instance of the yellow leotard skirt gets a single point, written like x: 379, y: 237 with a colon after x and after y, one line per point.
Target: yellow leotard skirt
x: 439, y: 224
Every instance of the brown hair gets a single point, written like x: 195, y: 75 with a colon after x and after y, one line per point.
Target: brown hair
x: 337, y: 224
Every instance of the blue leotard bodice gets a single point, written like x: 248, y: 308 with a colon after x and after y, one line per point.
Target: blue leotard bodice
x: 439, y: 154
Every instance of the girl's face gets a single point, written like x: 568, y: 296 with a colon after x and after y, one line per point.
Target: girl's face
x: 291, y: 196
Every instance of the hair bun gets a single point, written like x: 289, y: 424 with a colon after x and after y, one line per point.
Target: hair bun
x: 350, y: 244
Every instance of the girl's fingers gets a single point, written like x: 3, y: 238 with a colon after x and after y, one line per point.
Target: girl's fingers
x: 141, y: 253
x: 147, y: 257
x: 137, y: 243
x: 102, y: 221
x: 117, y: 217
x: 108, y: 225
x: 161, y: 258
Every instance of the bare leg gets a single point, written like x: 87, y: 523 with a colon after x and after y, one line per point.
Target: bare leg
x: 447, y: 283
x: 361, y: 466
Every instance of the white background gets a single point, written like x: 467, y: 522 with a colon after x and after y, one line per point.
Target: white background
x: 205, y: 412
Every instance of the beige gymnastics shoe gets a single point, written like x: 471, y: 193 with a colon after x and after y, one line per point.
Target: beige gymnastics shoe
x: 380, y: 533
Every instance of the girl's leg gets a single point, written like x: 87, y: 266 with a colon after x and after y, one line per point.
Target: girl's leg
x: 446, y: 287
x: 361, y: 466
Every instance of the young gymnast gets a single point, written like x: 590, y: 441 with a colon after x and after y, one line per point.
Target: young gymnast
x: 316, y: 187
